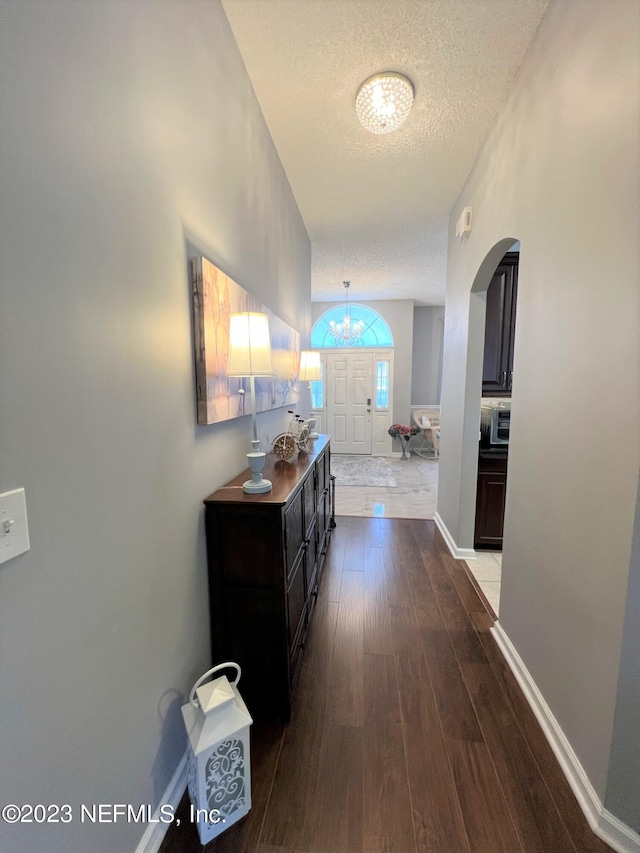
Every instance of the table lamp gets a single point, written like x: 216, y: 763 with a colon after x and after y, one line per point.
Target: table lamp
x: 250, y: 355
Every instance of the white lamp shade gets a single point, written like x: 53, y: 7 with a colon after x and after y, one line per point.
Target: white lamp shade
x: 249, y: 345
x: 310, y: 367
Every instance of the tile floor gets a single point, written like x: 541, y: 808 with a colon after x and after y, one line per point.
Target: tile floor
x: 415, y: 497
x: 487, y: 570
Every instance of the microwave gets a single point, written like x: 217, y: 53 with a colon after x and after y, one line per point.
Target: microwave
x: 495, y: 422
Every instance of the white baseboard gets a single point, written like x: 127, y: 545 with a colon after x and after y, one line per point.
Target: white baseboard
x: 607, y: 826
x: 155, y: 832
x: 458, y: 553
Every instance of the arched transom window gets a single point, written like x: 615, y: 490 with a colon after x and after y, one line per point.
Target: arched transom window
x: 376, y: 331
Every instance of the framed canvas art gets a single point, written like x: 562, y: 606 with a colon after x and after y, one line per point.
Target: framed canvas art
x: 215, y: 298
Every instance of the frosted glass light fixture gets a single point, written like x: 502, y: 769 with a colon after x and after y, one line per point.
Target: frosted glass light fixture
x: 383, y: 102
x: 250, y: 355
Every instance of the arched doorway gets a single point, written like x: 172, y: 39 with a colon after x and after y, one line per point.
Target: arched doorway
x: 473, y: 392
x: 495, y: 420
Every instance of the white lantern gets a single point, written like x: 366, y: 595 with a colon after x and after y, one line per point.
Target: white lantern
x: 219, y: 768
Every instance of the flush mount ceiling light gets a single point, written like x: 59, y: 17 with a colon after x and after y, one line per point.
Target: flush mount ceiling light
x: 383, y: 102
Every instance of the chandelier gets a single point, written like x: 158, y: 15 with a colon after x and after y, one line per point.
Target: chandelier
x: 349, y: 330
x: 383, y: 102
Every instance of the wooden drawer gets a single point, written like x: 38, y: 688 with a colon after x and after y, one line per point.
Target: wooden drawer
x: 312, y: 559
x: 296, y: 600
x: 327, y: 467
x: 324, y: 518
x: 322, y: 479
x: 293, y: 531
x: 309, y: 501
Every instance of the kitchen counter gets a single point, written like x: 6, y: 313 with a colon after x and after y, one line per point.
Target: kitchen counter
x: 498, y: 452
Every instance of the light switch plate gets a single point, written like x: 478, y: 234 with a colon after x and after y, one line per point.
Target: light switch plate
x: 14, y: 531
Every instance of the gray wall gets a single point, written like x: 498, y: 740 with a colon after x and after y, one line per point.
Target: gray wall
x: 559, y: 171
x: 399, y: 315
x: 131, y: 138
x: 623, y: 789
x: 428, y: 335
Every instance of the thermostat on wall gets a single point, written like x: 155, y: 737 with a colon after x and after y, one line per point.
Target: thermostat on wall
x: 463, y: 225
x: 14, y: 532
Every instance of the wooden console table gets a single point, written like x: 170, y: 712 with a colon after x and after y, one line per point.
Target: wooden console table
x: 265, y: 555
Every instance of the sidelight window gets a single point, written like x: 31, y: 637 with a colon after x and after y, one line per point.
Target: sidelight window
x: 382, y: 385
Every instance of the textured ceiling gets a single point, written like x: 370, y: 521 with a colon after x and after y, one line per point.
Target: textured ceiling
x: 376, y: 207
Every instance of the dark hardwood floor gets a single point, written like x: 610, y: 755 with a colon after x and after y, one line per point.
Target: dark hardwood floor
x: 409, y: 733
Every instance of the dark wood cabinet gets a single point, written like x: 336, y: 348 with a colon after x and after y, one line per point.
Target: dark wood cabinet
x: 490, y: 499
x: 265, y: 555
x: 497, y: 371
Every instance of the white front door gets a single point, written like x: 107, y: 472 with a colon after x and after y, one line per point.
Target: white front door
x: 349, y: 389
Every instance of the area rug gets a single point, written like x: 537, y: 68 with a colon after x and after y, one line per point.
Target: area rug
x: 362, y: 471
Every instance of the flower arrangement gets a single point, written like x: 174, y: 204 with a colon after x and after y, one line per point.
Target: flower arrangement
x: 399, y: 431
x: 403, y: 432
